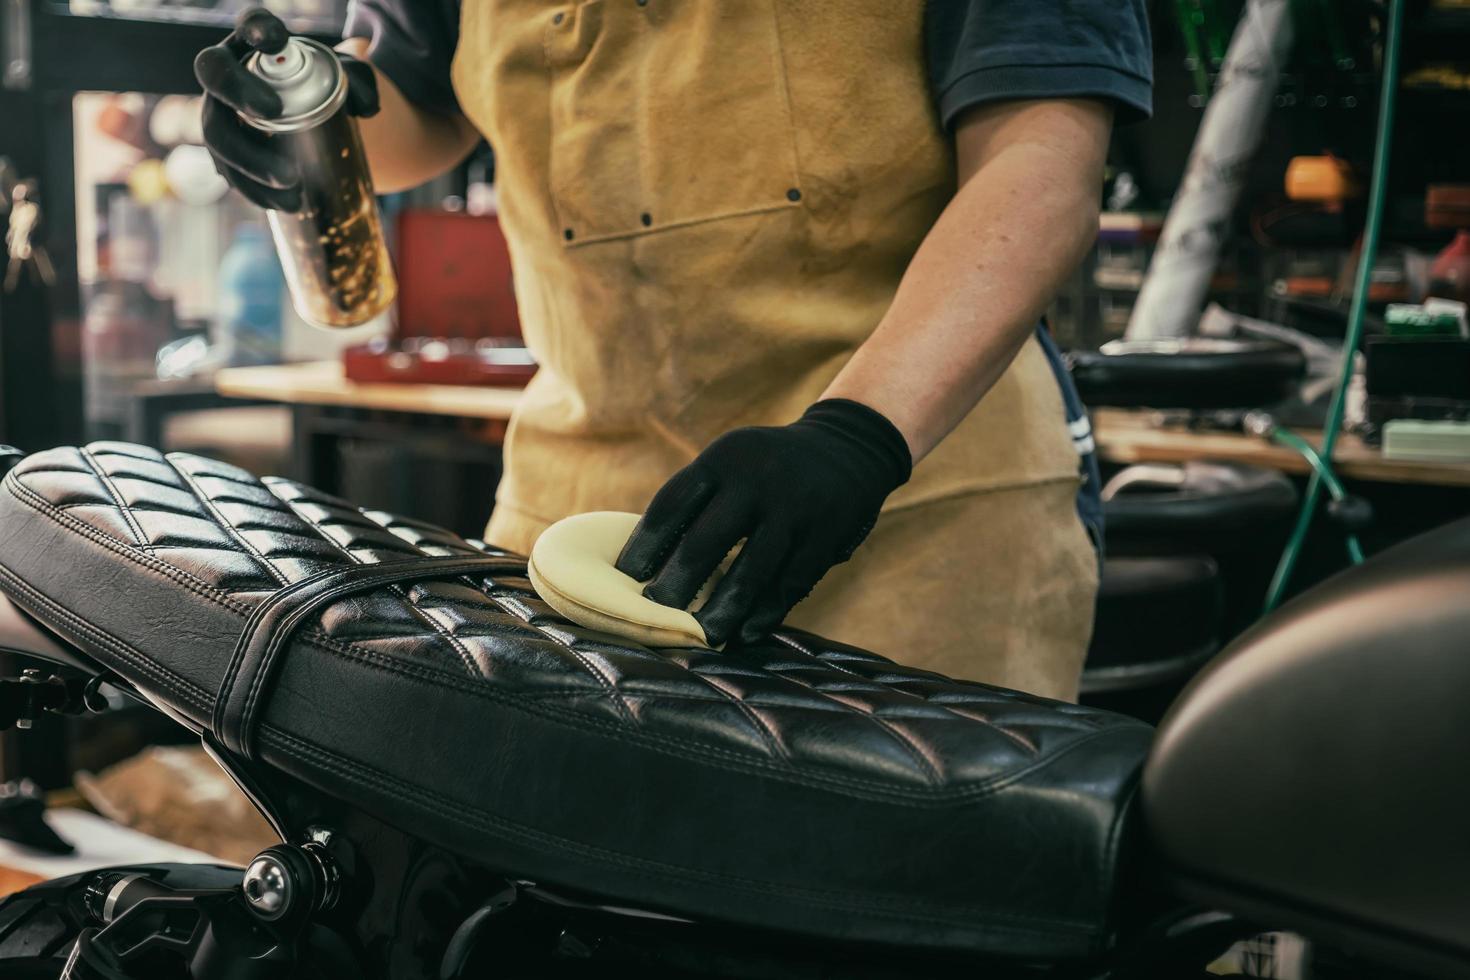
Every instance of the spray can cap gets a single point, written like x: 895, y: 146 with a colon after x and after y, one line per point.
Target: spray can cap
x: 309, y: 79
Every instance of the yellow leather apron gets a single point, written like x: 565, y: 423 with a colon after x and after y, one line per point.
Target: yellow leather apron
x: 709, y: 205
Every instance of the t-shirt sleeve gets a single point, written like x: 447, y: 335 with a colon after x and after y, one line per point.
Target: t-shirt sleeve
x: 987, y: 50
x: 412, y: 42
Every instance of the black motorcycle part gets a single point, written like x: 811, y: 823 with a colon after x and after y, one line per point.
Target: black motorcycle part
x: 1158, y: 620
x: 23, y: 818
x: 1313, y: 774
x: 1193, y: 373
x: 1197, y: 507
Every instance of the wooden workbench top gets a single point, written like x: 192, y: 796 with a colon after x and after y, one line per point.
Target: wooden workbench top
x: 1122, y: 436
x: 1135, y: 437
x: 322, y: 383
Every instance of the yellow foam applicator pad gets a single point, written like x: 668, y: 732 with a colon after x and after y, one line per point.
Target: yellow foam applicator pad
x: 572, y: 570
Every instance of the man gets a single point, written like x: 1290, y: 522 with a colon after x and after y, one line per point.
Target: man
x: 782, y: 263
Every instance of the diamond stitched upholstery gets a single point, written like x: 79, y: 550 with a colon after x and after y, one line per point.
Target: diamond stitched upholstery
x: 796, y: 710
x: 245, y: 538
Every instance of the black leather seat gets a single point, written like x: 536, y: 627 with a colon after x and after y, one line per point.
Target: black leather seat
x: 1198, y: 507
x: 796, y: 784
x: 1189, y: 372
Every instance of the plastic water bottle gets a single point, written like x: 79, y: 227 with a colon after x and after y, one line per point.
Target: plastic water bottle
x: 251, y: 287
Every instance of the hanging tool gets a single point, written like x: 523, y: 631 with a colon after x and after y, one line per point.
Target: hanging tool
x: 1191, y: 22
x: 20, y: 238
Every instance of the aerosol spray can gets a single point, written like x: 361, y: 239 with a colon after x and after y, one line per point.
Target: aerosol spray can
x: 332, y: 250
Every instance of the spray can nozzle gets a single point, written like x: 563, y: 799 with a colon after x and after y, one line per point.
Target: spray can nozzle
x: 309, y: 80
x: 284, y: 64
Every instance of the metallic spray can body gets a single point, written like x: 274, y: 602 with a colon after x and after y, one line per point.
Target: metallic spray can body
x: 332, y: 250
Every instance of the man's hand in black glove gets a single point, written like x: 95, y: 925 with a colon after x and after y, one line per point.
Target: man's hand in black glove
x: 803, y: 496
x: 251, y: 160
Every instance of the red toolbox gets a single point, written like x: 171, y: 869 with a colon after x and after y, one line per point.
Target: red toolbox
x: 456, y: 320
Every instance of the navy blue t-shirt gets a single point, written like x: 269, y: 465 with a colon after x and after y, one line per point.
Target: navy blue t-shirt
x: 978, y: 51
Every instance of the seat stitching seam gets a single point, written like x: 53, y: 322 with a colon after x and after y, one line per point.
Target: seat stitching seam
x: 1023, y: 742
x: 195, y: 695
x: 126, y: 550
x: 31, y: 470
x: 426, y: 615
x: 911, y: 748
x: 606, y: 682
x: 133, y: 507
x: 228, y: 527
x: 111, y: 488
x: 827, y: 705
x: 925, y: 764
x: 614, y: 695
x: 767, y: 735
x: 421, y: 615
x: 477, y: 819
x: 707, y: 754
x: 695, y: 698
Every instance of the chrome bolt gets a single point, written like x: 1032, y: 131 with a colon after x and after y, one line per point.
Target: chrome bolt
x: 267, y: 886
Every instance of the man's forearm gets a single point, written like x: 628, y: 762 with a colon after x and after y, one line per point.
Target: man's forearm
x: 407, y: 145
x: 1025, y: 214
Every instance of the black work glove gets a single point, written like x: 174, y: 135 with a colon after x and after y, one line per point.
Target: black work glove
x: 803, y: 496
x: 255, y: 162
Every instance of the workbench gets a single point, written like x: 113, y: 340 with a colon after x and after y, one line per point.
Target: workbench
x: 322, y: 383
x: 466, y: 425
x: 1136, y: 437
x: 432, y: 451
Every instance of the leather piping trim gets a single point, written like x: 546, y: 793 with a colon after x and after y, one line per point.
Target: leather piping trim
x: 271, y: 625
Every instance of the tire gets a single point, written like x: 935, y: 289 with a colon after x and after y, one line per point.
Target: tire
x: 39, y: 926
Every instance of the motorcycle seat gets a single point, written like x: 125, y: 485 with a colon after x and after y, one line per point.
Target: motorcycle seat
x: 795, y: 784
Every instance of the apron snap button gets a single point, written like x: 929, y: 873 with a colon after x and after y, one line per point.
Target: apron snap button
x: 793, y: 195
x: 642, y: 3
x: 567, y: 234
x: 558, y: 18
x: 646, y: 218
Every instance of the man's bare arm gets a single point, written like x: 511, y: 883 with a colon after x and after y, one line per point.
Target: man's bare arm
x: 1030, y: 177
x: 407, y: 145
